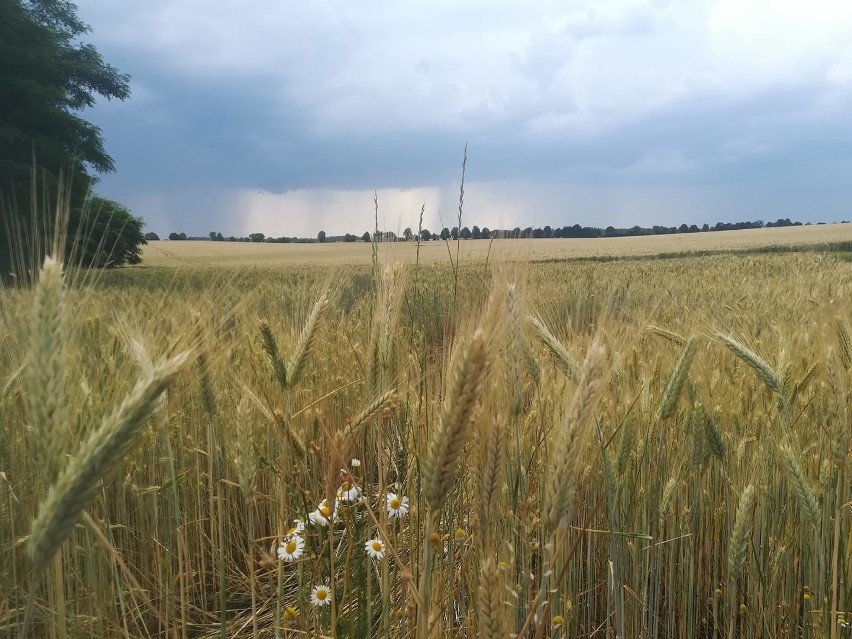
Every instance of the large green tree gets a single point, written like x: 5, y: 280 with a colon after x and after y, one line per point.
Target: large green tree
x: 48, y: 76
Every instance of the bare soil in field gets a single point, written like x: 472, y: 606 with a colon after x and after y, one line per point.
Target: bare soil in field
x: 205, y: 253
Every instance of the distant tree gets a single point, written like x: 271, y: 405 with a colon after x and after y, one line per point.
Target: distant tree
x: 257, y: 237
x: 212, y: 236
x: 406, y: 234
x: 547, y: 231
x: 110, y: 235
x: 486, y: 233
x: 366, y: 236
x: 538, y: 233
x: 348, y: 237
x: 516, y: 232
x: 454, y: 233
x: 465, y: 233
x: 173, y: 236
x: 150, y: 236
x: 425, y: 235
x: 181, y: 236
x: 220, y: 237
x: 321, y: 236
x: 445, y: 233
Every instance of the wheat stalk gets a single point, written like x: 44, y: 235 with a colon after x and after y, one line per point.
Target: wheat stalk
x: 667, y: 334
x: 569, y: 438
x: 492, y: 609
x: 763, y: 370
x: 306, y: 341
x: 739, y: 537
x: 45, y: 371
x: 445, y: 448
x: 376, y: 407
x: 270, y: 347
x: 246, y: 456
x: 563, y: 358
x: 493, y: 453
x: 514, y: 352
x: 800, y: 484
x: 78, y: 482
x: 677, y: 379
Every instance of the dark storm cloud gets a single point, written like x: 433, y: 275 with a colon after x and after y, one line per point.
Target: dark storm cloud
x: 696, y: 109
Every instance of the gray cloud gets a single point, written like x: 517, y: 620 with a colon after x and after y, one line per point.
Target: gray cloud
x: 630, y: 112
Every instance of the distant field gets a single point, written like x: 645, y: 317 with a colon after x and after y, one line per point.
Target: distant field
x: 201, y: 253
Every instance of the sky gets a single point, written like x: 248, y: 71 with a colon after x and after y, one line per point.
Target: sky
x: 287, y: 117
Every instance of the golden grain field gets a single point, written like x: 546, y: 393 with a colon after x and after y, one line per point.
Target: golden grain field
x: 337, y: 447
x: 202, y: 253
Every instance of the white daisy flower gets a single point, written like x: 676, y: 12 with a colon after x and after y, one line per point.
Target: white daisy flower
x: 355, y: 463
x: 291, y: 548
x: 298, y: 527
x: 323, y: 514
x: 348, y: 492
x: 375, y: 548
x: 397, y: 505
x: 321, y: 595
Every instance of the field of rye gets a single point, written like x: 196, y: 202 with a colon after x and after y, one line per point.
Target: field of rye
x: 640, y: 448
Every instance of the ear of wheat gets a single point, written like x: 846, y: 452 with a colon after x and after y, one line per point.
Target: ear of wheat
x: 448, y: 441
x: 79, y: 480
x: 570, y: 436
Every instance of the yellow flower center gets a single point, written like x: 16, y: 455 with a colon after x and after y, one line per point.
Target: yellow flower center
x: 376, y: 545
x: 394, y: 503
x: 322, y: 594
x: 290, y: 547
x: 325, y: 510
x: 290, y: 613
x: 345, y: 486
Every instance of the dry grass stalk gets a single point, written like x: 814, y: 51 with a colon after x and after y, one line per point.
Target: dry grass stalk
x: 560, y: 354
x: 677, y: 379
x: 45, y: 372
x: 78, y: 482
x: 569, y: 438
x: 445, y: 448
x: 738, y: 546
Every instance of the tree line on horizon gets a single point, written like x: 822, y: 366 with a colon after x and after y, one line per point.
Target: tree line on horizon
x: 476, y: 233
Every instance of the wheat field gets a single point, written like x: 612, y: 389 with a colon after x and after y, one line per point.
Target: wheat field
x: 203, y: 253
x: 382, y: 446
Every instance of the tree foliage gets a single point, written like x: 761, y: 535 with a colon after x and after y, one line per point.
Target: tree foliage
x: 47, y: 77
